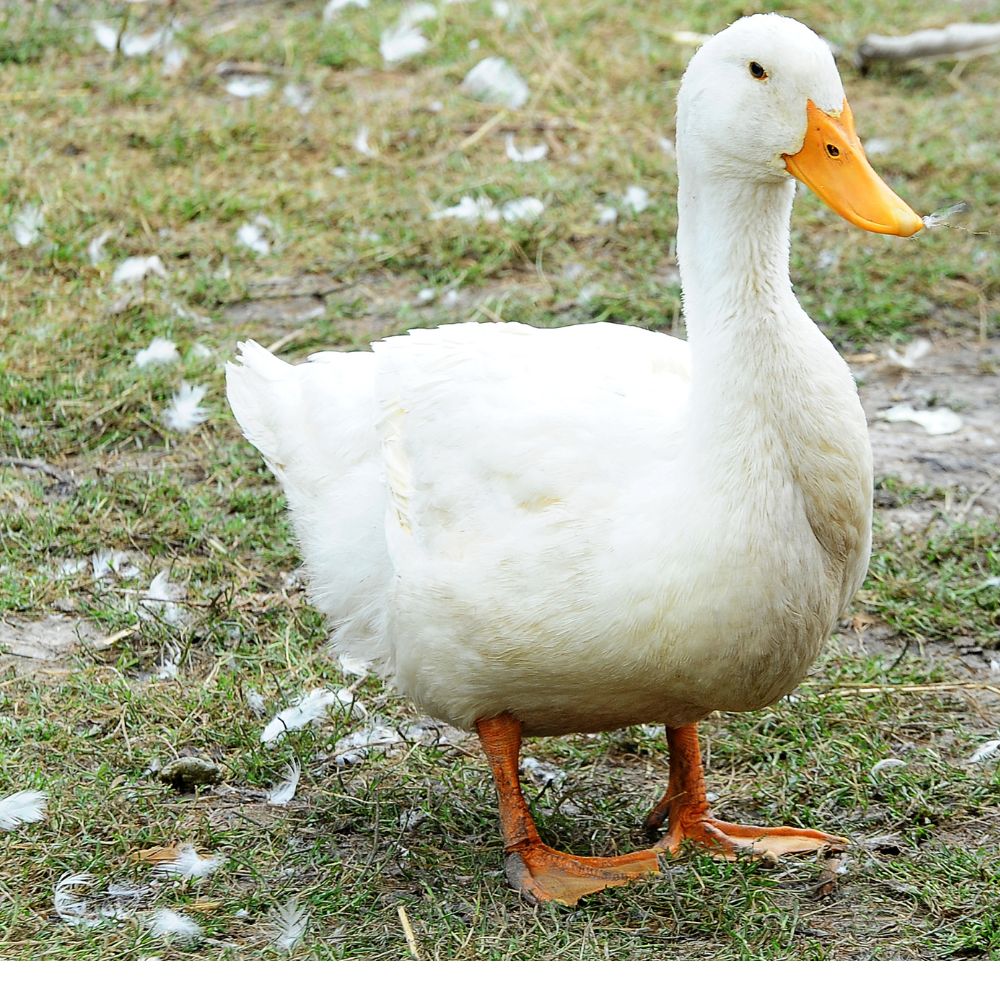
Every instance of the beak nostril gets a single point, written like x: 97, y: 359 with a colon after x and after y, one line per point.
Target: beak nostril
x: 832, y: 149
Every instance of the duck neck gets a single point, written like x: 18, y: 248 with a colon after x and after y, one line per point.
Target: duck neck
x: 748, y: 336
x: 732, y: 242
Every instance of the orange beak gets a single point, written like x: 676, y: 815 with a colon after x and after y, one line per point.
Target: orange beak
x: 832, y: 163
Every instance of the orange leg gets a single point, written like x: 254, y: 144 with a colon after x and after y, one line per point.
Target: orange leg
x: 540, y: 873
x: 686, y: 808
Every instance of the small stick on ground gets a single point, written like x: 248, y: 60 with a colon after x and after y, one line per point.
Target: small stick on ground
x: 40, y: 466
x: 954, y: 40
x: 411, y: 939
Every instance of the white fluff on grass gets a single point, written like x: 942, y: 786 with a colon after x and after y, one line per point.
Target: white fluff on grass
x: 334, y: 7
x: 986, y: 752
x: 636, y: 198
x: 494, y: 81
x: 161, y: 351
x: 527, y: 155
x: 107, y: 561
x: 95, y: 248
x: 355, y: 747
x: 288, y: 921
x: 170, y: 924
x: 26, y: 226
x: 482, y: 209
x: 189, y: 864
x: 299, y: 714
x: 248, y: 86
x: 284, y: 791
x: 135, y: 269
x: 522, y: 209
x: 174, y: 57
x: 910, y: 355
x: 252, y: 235
x: 296, y: 96
x: 22, y: 808
x: 68, y: 906
x: 361, y: 143
x: 402, y: 42
x: 255, y: 702
x: 469, y: 209
x: 606, y: 214
x: 541, y: 773
x: 934, y: 421
x: 159, y: 603
x: 888, y: 764
x: 185, y: 411
x: 131, y: 44
x: 170, y: 661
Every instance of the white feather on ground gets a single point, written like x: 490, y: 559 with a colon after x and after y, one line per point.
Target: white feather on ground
x: 189, y: 864
x: 296, y: 96
x: 255, y: 702
x: 289, y: 921
x: 160, y: 600
x: 334, y: 7
x: 910, y: 355
x: 95, y: 248
x: 26, y: 226
x: 115, y: 561
x: 185, y: 411
x: 68, y: 906
x: 134, y: 269
x: 252, y: 235
x: 170, y: 661
x: 22, y: 808
x: 527, y: 155
x: 355, y: 747
x: 935, y: 421
x: 636, y: 198
x: 244, y: 86
x: 402, y: 42
x: 166, y: 923
x: 361, y: 143
x: 161, y: 351
x: 987, y: 751
x: 887, y: 764
x: 284, y: 791
x: 522, y: 209
x: 299, y: 714
x: 495, y: 81
x: 541, y: 773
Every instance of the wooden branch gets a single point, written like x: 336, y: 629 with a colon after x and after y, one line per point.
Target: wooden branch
x: 955, y: 39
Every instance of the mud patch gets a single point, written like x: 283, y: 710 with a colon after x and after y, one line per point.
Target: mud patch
x: 33, y: 648
x: 963, y: 467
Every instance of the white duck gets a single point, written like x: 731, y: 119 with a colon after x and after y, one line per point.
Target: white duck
x: 551, y: 531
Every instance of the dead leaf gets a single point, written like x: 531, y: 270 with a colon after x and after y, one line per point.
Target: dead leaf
x: 156, y: 855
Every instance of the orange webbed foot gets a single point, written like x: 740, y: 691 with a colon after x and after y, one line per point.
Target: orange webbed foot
x: 544, y: 875
x: 734, y: 840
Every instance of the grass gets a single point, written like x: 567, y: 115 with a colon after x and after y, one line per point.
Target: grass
x: 173, y: 166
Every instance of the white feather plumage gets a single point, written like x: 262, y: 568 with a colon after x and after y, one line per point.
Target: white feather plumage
x: 289, y: 921
x: 185, y: 411
x: 167, y: 923
x: 284, y: 791
x: 22, y: 808
x: 189, y: 864
x: 308, y: 708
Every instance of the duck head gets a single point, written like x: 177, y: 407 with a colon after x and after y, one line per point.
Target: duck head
x: 763, y: 100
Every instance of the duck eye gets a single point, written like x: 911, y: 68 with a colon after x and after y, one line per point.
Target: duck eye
x: 832, y: 149
x: 757, y: 71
